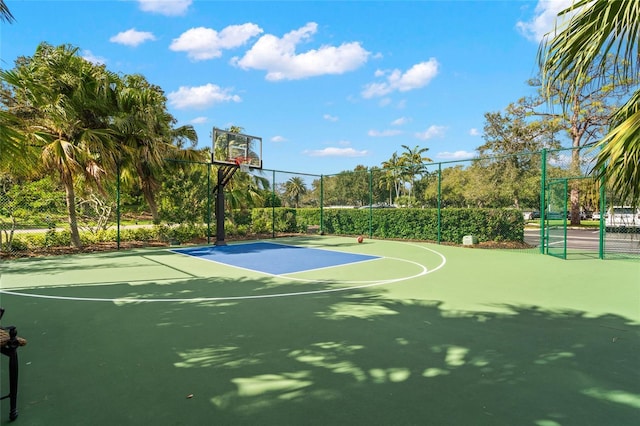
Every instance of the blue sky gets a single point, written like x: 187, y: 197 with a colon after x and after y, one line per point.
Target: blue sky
x: 327, y: 85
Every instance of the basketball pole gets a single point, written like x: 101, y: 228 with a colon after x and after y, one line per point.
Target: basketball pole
x: 224, y: 176
x: 220, y: 210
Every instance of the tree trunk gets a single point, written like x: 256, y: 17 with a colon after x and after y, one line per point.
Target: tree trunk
x: 575, y: 203
x: 151, y: 202
x: 574, y: 198
x: 71, y: 210
x: 577, y: 131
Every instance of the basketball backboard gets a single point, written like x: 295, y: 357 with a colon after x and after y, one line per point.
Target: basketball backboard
x: 236, y: 149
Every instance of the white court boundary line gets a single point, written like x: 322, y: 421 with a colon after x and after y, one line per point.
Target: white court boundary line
x: 367, y: 284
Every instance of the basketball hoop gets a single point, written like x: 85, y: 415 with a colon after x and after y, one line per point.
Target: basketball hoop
x: 243, y: 163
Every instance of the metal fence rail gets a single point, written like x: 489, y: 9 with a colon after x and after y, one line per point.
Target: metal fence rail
x: 180, y: 207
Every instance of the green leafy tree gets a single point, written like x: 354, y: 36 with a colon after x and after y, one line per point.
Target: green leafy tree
x: 378, y: 190
x: 25, y: 202
x: 348, y: 188
x: 183, y: 197
x: 507, y: 166
x: 66, y: 104
x: 454, y: 184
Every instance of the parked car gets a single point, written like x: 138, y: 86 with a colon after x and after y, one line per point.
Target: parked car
x: 378, y: 206
x: 556, y: 215
x: 623, y: 216
x: 533, y: 215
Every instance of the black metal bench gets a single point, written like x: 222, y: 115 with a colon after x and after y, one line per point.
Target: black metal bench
x: 9, y: 344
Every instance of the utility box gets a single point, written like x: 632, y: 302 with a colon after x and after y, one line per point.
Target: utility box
x: 313, y: 229
x: 469, y: 240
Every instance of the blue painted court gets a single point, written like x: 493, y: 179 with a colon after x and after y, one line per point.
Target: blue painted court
x: 275, y: 259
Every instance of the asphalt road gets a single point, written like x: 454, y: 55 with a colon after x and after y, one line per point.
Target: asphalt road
x: 588, y: 240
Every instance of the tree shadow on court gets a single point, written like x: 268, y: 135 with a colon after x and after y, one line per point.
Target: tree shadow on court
x: 353, y: 357
x: 84, y: 261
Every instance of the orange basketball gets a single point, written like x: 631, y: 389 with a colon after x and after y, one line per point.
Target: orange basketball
x: 360, y: 239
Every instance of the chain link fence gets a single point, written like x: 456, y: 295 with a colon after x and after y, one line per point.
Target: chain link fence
x: 540, y: 202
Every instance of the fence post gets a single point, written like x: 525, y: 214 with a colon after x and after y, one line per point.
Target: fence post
x: 603, y: 211
x: 118, y: 204
x: 543, y: 186
x: 273, y: 204
x: 208, y: 203
x: 370, y: 203
x: 321, y: 204
x: 439, y: 200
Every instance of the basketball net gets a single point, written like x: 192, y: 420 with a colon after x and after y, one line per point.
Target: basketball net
x: 243, y: 163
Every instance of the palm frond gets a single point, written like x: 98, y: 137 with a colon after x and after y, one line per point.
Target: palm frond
x: 580, y: 52
x: 619, y: 157
x: 598, y: 28
x: 5, y: 13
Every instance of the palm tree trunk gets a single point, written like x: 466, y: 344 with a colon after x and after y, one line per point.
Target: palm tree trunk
x: 151, y: 202
x: 71, y: 210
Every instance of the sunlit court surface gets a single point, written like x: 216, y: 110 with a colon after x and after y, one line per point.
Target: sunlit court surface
x: 324, y: 330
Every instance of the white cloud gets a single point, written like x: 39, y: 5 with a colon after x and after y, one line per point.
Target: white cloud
x: 278, y: 56
x: 330, y: 117
x: 415, y: 77
x: 384, y: 133
x: 205, y: 43
x: 278, y: 139
x: 132, y: 37
x: 400, y: 121
x: 474, y: 132
x: 201, y: 96
x: 199, y: 120
x: 432, y: 132
x: 89, y: 56
x: 544, y: 20
x: 336, y: 152
x: 457, y: 155
x: 165, y: 7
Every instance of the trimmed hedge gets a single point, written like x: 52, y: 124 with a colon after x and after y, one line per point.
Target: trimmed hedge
x: 416, y: 224
x: 500, y: 225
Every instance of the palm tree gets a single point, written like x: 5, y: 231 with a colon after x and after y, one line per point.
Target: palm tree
x: 148, y: 137
x: 580, y: 51
x: 245, y: 191
x: 65, y: 103
x: 393, y: 175
x: 294, y: 188
x: 413, y: 162
x: 16, y: 153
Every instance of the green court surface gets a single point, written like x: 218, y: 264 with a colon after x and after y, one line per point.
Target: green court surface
x: 424, y: 335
